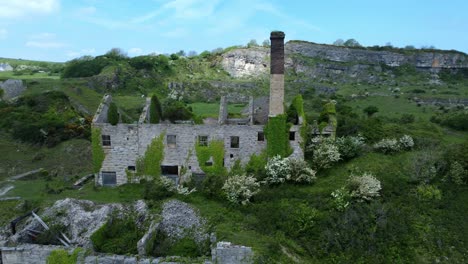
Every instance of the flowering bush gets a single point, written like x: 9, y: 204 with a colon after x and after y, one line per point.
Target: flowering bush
x: 239, y: 189
x: 387, y: 146
x: 406, y: 142
x: 278, y: 170
x: 170, y: 186
x: 300, y: 171
x: 364, y: 187
x: 325, y: 153
x: 350, y: 147
x: 341, y: 198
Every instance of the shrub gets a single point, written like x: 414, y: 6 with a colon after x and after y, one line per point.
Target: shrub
x: 424, y: 167
x: 212, y: 185
x: 239, y: 189
x: 341, y: 198
x: 256, y: 165
x: 364, y: 187
x: 350, y: 147
x: 406, y: 142
x: 155, y: 110
x: 457, y: 174
x: 277, y: 170
x: 61, y: 256
x: 300, y: 171
x: 387, y: 146
x: 370, y: 110
x: 157, y: 190
x: 113, y: 114
x: 427, y: 192
x: 324, y: 153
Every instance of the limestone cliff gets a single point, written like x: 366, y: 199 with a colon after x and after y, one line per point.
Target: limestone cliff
x: 338, y: 63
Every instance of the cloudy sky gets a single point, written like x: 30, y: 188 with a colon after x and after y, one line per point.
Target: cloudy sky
x: 60, y: 30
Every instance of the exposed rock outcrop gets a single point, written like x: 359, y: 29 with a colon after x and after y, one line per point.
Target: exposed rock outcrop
x: 246, y: 62
x: 5, y: 67
x: 12, y: 88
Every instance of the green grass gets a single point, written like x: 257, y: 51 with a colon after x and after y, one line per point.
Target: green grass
x: 39, y: 75
x: 72, y: 157
x: 212, y: 109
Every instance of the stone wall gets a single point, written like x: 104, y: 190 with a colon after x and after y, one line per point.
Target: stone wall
x: 225, y: 252
x: 101, y: 112
x: 12, y: 88
x: 28, y: 253
x: 130, y: 141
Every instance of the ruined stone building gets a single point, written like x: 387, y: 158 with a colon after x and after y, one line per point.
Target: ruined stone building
x: 123, y: 144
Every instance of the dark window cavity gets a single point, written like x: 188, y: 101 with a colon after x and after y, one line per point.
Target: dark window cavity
x: 234, y: 142
x: 171, y: 141
x: 106, y: 140
x: 109, y: 178
x: 292, y: 135
x: 260, y: 136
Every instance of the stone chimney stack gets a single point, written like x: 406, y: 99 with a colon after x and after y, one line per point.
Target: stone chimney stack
x: 277, y: 73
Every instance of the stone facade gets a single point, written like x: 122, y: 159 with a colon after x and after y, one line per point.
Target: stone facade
x: 125, y: 143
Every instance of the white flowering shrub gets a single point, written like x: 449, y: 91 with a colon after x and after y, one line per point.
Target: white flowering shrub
x: 364, y: 187
x: 278, y: 170
x: 341, y: 198
x: 170, y: 186
x: 301, y: 172
x: 387, y: 146
x: 406, y: 142
x: 350, y: 147
x: 240, y: 188
x: 324, y: 153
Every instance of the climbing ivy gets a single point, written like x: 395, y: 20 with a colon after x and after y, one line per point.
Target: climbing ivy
x: 277, y: 135
x: 97, y: 150
x: 298, y: 103
x: 329, y: 111
x: 113, y: 114
x: 214, y: 150
x: 155, y: 111
x: 150, y: 163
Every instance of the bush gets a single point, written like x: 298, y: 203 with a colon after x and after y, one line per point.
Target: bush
x: 278, y: 170
x: 387, y: 146
x: 324, y: 153
x: 113, y: 114
x: 155, y: 110
x: 406, y: 142
x: 457, y: 174
x: 61, y: 256
x: 428, y: 193
x: 212, y: 185
x: 350, y: 147
x: 300, y: 171
x: 240, y: 188
x: 256, y: 166
x: 157, y: 190
x: 364, y: 187
x: 341, y: 198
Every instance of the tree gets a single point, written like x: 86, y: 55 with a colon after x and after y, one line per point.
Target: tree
x: 292, y: 115
x: 155, y: 110
x: 117, y: 54
x: 266, y: 43
x: 252, y: 43
x: 409, y: 47
x: 192, y: 53
x: 338, y: 42
x: 113, y: 114
x: 352, y: 43
x: 181, y: 53
x: 370, y: 110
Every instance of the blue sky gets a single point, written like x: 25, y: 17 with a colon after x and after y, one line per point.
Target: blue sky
x: 60, y: 30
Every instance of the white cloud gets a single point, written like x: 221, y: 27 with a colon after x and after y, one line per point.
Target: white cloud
x: 21, y: 8
x: 3, y: 33
x: 135, y: 51
x: 45, y: 44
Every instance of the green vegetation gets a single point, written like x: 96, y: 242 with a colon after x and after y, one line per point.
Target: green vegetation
x: 97, y: 150
x: 150, y: 164
x: 277, y: 135
x: 211, y: 157
x: 155, y: 110
x: 61, y: 256
x: 113, y: 114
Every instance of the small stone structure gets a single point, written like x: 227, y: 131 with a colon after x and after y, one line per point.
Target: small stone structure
x: 123, y: 144
x: 225, y: 252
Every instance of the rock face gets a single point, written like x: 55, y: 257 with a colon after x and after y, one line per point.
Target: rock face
x: 180, y: 219
x: 246, y: 62
x: 12, y: 88
x: 82, y: 218
x: 5, y: 67
x: 338, y: 64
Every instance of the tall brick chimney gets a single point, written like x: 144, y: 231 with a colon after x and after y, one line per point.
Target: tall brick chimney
x: 277, y: 73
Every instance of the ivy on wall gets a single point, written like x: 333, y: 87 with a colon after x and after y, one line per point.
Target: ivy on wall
x: 329, y: 111
x: 298, y: 103
x: 150, y: 163
x: 215, y: 152
x: 277, y: 135
x: 97, y: 150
